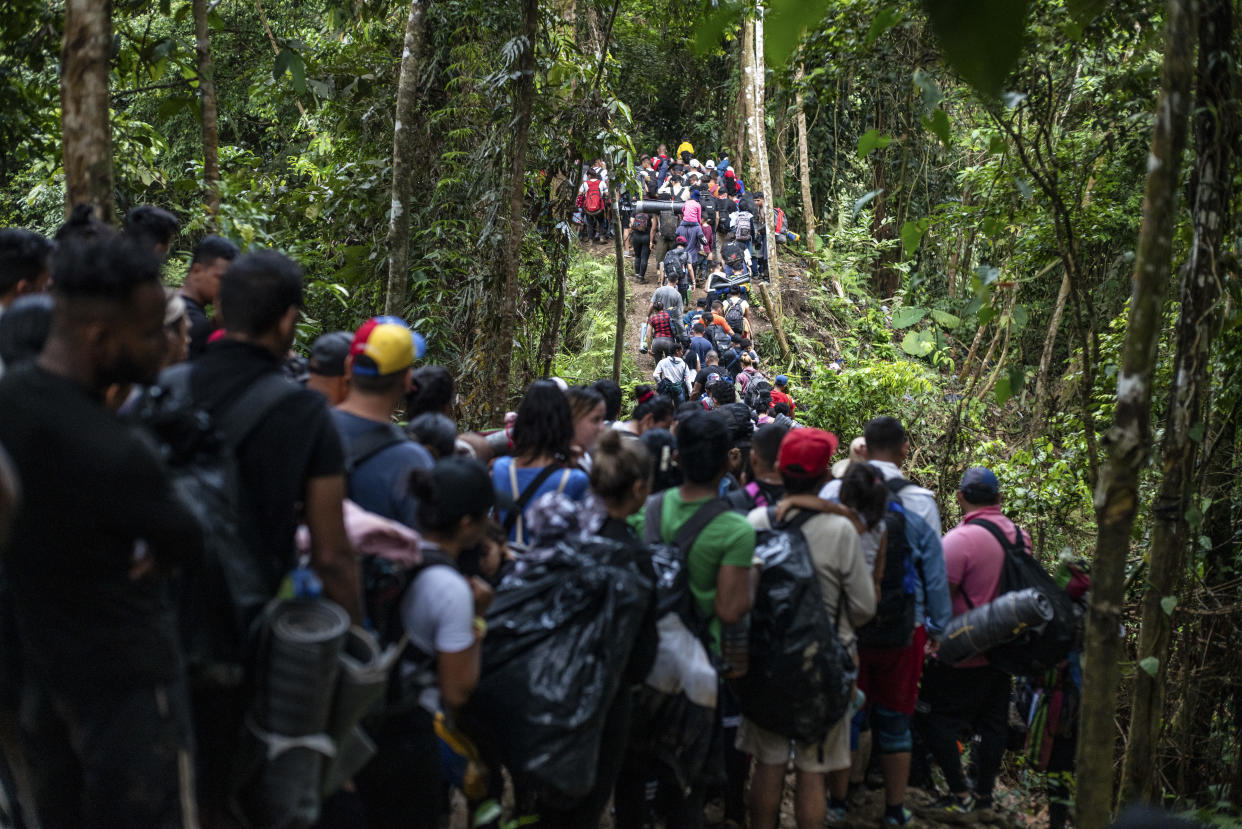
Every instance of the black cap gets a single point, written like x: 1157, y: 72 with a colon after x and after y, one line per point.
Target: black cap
x: 328, y: 353
x: 465, y: 488
x: 758, y: 194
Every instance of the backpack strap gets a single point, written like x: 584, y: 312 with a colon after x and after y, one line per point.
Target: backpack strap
x: 689, y: 532
x: 244, y: 414
x: 651, y: 518
x: 519, y: 506
x: 370, y: 443
x: 896, y: 485
x: 1016, y: 546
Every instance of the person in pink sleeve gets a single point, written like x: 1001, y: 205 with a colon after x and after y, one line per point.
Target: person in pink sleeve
x: 972, y: 695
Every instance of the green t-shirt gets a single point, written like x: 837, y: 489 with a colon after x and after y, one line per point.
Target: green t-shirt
x: 728, y: 541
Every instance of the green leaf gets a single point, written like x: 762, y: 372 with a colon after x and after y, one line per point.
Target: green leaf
x: 297, y: 71
x: 905, y: 317
x: 1084, y: 11
x: 932, y: 96
x: 946, y: 319
x: 1167, y: 604
x: 712, y: 27
x: 1020, y: 316
x: 938, y: 125
x: 912, y: 235
x: 783, y: 26
x: 917, y: 344
x: 986, y: 314
x: 1023, y: 188
x: 1195, y: 433
x: 487, y: 813
x: 885, y: 20
x: 866, y: 200
x: 281, y: 65
x: 981, y: 39
x: 872, y: 140
x: 1017, y: 377
x: 997, y: 145
x: 1150, y: 665
x: 1194, y: 517
x: 1003, y: 390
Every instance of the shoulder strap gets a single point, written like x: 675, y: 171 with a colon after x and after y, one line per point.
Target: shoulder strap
x: 704, y: 515
x: 652, y: 514
x: 249, y: 409
x: 896, y: 485
x: 1016, y: 546
x: 370, y: 443
x: 519, y: 506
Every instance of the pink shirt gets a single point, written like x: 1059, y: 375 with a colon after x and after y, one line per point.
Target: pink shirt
x: 972, y: 561
x: 691, y: 212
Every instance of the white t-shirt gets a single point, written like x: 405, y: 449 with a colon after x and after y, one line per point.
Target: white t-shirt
x: 672, y: 369
x: 918, y: 500
x: 438, y: 614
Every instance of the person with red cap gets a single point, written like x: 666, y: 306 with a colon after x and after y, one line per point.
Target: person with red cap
x: 849, y: 597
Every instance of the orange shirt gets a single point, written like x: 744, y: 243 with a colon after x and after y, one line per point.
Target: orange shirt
x: 712, y: 318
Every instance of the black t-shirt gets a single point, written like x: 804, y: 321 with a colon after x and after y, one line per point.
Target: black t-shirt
x: 94, y: 497
x: 295, y: 442
x: 201, y: 326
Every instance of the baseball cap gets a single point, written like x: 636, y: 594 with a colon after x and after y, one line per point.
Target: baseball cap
x: 806, y: 453
x: 681, y: 240
x: 979, y: 484
x: 729, y: 173
x: 465, y: 488
x: 782, y: 380
x: 328, y: 353
x: 385, y: 345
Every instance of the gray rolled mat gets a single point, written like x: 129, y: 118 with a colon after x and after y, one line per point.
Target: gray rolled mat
x: 361, y: 682
x: 286, y: 794
x: 352, y: 753
x: 298, y: 676
x: 995, y: 623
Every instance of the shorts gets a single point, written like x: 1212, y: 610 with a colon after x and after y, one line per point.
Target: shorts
x: 774, y: 750
x: 890, y: 676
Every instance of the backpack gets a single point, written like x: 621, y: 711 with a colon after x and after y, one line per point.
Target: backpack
x: 778, y: 220
x: 1040, y: 649
x: 744, y: 228
x: 758, y: 392
x: 734, y: 314
x: 219, y: 599
x: 641, y: 223
x: 747, y: 498
x: 676, y: 326
x: 594, y: 201
x: 800, y: 680
x: 721, y: 341
x: 668, y: 228
x: 735, y: 258
x: 893, y: 623
x: 650, y: 183
x: 674, y: 265
x: 709, y: 208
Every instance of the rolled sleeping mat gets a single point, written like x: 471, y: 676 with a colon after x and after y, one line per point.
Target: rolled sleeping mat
x: 657, y: 206
x: 353, y: 752
x: 999, y: 621
x: 365, y: 668
x: 286, y: 794
x: 298, y: 679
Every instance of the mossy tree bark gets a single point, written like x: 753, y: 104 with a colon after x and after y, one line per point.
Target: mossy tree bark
x: 403, y: 163
x: 86, y: 131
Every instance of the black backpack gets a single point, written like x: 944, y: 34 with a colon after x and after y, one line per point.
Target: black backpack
x: 759, y: 390
x: 800, y: 678
x: 217, y: 600
x: 734, y: 315
x: 720, y: 341
x: 668, y: 227
x: 893, y: 623
x: 1037, y: 649
x: 674, y: 265
x: 709, y: 208
x: 671, y: 560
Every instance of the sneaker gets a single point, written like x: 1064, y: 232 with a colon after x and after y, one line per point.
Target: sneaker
x: 906, y: 817
x: 642, y: 350
x: 952, y: 808
x: 836, y: 814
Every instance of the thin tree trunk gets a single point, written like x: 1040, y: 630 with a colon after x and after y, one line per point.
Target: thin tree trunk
x: 402, y: 164
x: 1045, y: 359
x: 207, y: 99
x: 758, y: 125
x: 618, y: 348
x: 804, y: 163
x: 511, y: 251
x: 1196, y: 328
x: 86, y: 131
x: 1127, y: 441
x: 746, y: 147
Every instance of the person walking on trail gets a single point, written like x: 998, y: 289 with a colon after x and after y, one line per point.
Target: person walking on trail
x: 378, y: 455
x: 971, y: 696
x: 836, y: 553
x: 640, y: 243
x: 212, y: 257
x: 676, y: 265
x: 671, y: 373
x: 737, y: 311
x: 659, y: 325
x: 685, y: 150
x: 664, y: 236
x: 735, y: 256
x: 594, y: 193
x: 325, y: 370
x: 105, y: 713
x: 780, y: 394
x: 693, y: 234
x: 889, y: 673
x: 669, y: 298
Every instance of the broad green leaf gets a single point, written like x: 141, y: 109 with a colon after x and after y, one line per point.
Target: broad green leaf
x: 986, y: 274
x: 885, y: 20
x: 872, y: 140
x: 938, y: 125
x: 1150, y: 665
x: 997, y: 145
x: 932, y: 96
x: 1167, y: 604
x: 1020, y: 316
x: 986, y: 314
x: 281, y: 65
x: 1003, y: 390
x: 912, y: 235
x: 981, y: 39
x: 1084, y: 11
x: 946, y: 319
x: 866, y: 200
x: 905, y: 317
x: 1017, y: 378
x: 712, y: 27
x: 783, y: 26
x: 297, y: 71
x: 916, y: 344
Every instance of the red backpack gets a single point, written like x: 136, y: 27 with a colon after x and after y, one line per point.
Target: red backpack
x: 778, y: 224
x: 594, y: 202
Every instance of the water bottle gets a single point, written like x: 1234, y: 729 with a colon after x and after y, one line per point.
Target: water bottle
x: 301, y: 583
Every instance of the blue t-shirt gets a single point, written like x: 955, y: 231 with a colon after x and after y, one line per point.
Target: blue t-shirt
x: 380, y: 483
x: 576, y: 484
x: 700, y: 346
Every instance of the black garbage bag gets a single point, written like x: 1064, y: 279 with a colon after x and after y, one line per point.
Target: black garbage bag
x: 559, y: 635
x: 800, y: 675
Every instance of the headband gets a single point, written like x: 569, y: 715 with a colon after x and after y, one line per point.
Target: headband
x: 646, y: 396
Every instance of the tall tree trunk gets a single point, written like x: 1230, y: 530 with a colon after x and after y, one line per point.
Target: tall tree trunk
x: 207, y: 100
x: 746, y: 152
x: 403, y: 164
x: 1045, y: 359
x: 511, y: 251
x: 758, y: 125
x: 1116, y: 495
x: 84, y: 104
x: 1196, y: 328
x: 618, y: 348
x: 804, y: 164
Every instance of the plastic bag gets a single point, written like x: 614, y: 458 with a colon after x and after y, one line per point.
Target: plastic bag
x: 559, y: 636
x: 999, y: 621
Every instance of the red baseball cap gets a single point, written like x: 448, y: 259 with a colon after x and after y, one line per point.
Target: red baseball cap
x: 806, y: 453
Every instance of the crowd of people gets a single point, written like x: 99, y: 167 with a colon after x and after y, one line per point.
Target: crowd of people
x: 128, y: 635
